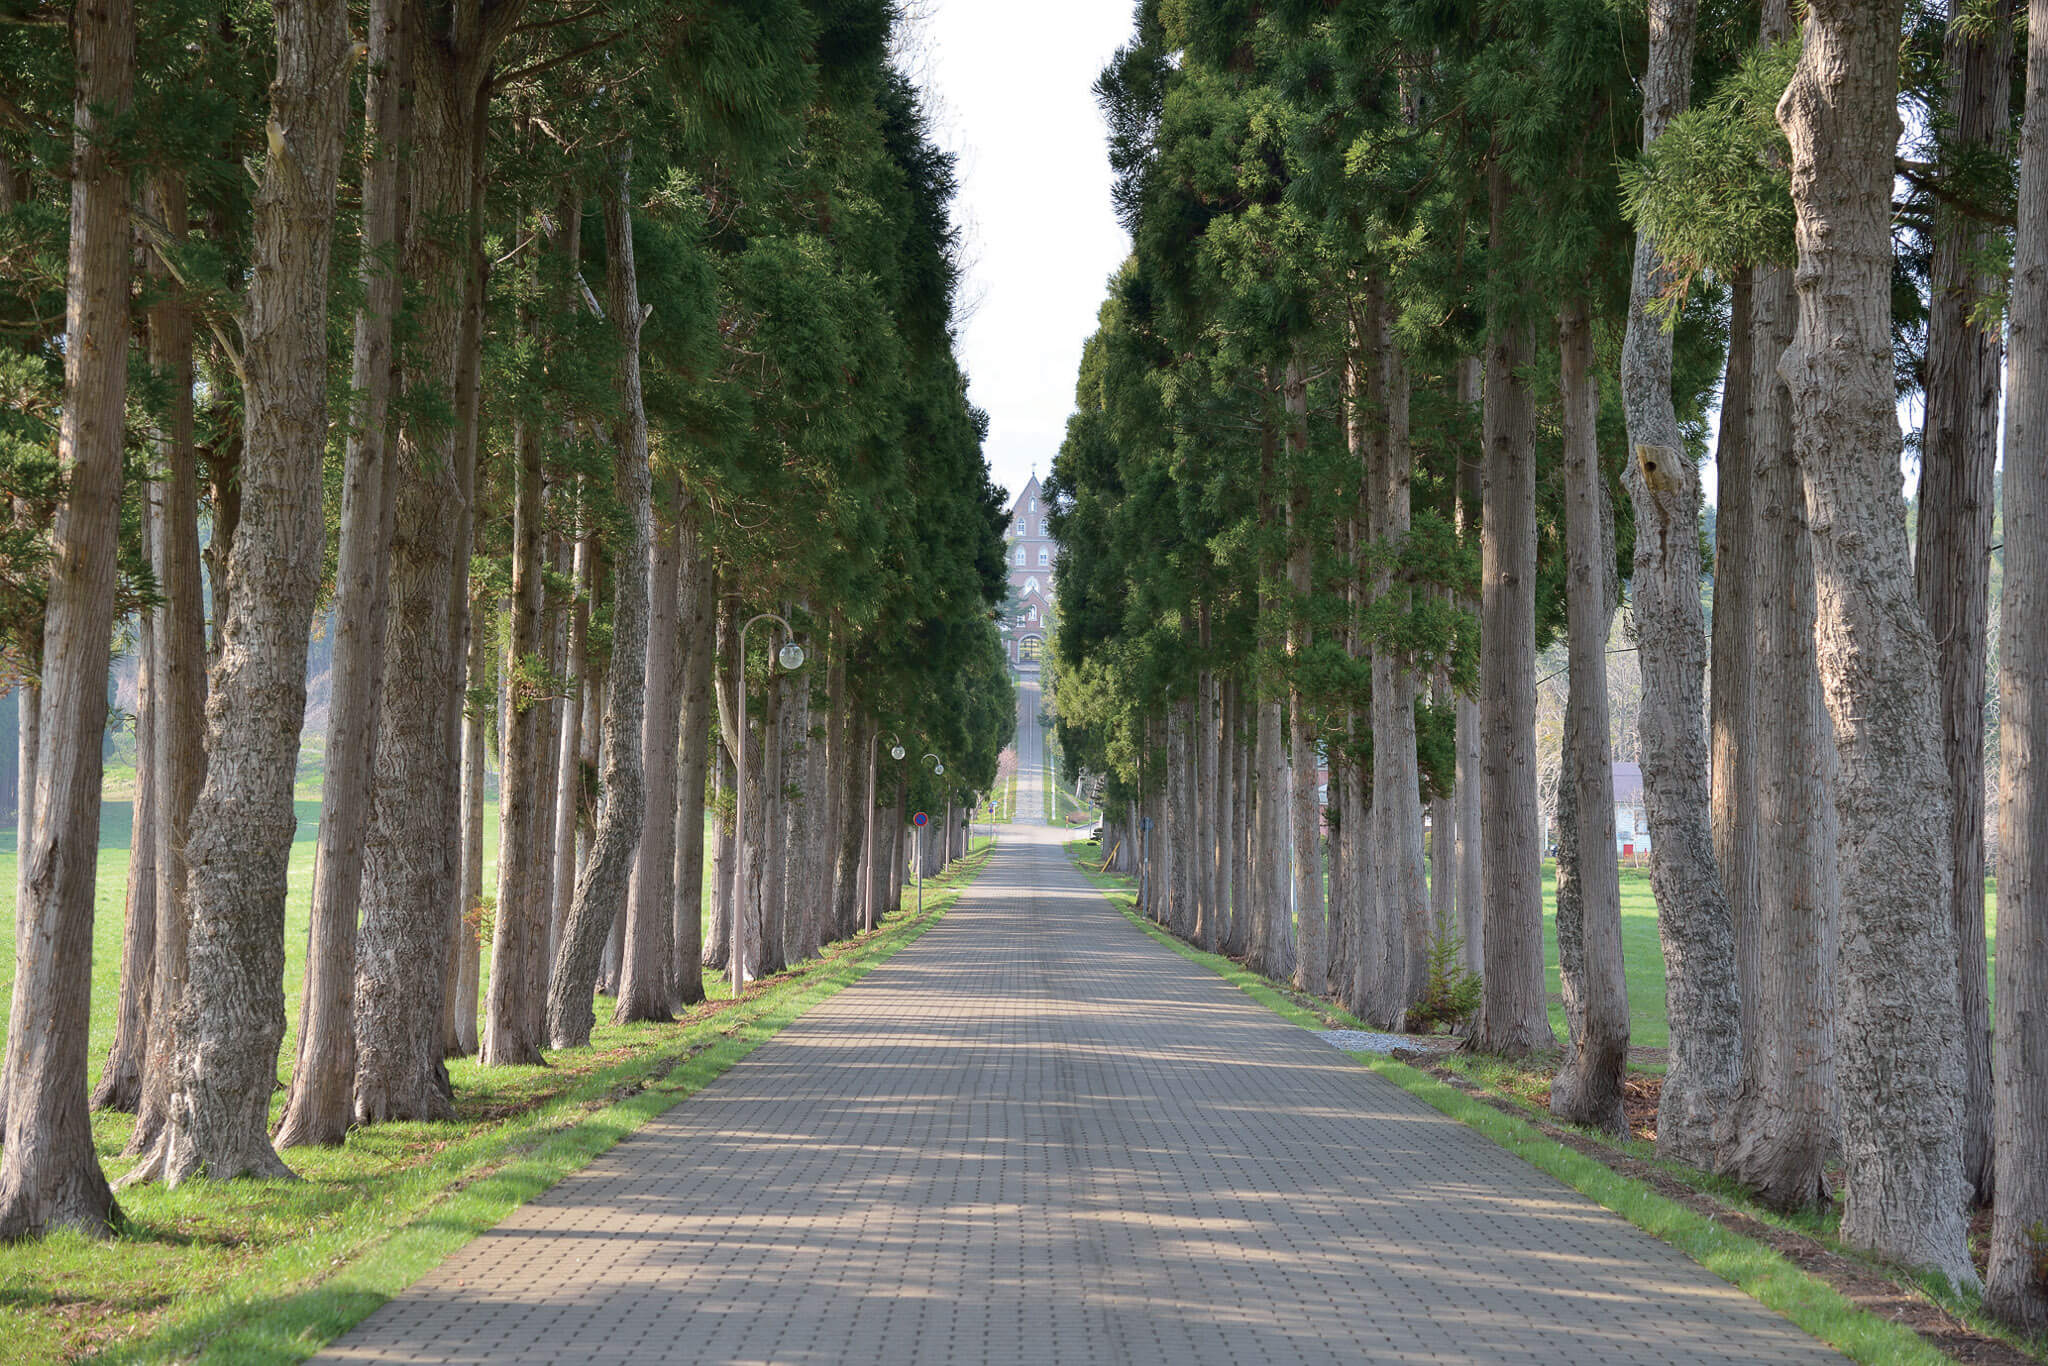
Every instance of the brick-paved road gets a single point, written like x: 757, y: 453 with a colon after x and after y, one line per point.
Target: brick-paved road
x: 1031, y: 794
x: 1037, y: 1136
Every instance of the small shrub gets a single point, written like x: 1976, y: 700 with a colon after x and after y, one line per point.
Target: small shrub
x: 483, y: 919
x: 1452, y: 995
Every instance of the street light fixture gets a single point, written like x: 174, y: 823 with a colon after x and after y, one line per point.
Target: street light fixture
x: 791, y: 656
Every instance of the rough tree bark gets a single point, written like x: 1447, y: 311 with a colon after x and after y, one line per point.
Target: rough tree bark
x: 1396, y: 784
x: 120, y: 1085
x: 725, y: 620
x: 1696, y: 1111
x: 699, y: 654
x: 568, y: 763
x: 50, y: 1177
x: 321, y: 1102
x: 1787, y: 1121
x: 1588, y: 1087
x: 1900, y: 1058
x: 1732, y: 723
x: 410, y: 856
x: 1177, y: 829
x: 180, y: 680
x: 511, y: 1030
x: 231, y: 1018
x: 463, y: 1000
x: 2015, y: 1288
x: 622, y: 801
x: 1305, y: 811
x: 1952, y: 569
x: 647, y: 970
x: 1513, y: 1018
x: 1224, y: 817
x: 1471, y: 919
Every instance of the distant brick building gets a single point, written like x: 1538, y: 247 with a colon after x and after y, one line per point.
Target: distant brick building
x: 1031, y: 554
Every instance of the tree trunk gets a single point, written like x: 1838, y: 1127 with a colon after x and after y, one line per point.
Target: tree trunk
x: 1471, y: 917
x: 899, y: 841
x: 1364, y: 990
x: 718, y: 941
x: 179, y: 681
x: 1952, y: 571
x: 1900, y: 1022
x: 699, y: 655
x: 1732, y: 722
x: 1787, y: 1122
x: 469, y: 417
x: 1588, y: 1087
x: 469, y: 964
x: 1224, y: 818
x: 792, y: 814
x: 1695, y: 1113
x: 1512, y: 1017
x: 569, y: 779
x: 1201, y: 806
x: 868, y: 837
x: 512, y: 1028
x: 646, y: 990
x: 1216, y: 815
x: 622, y: 799
x: 410, y: 877
x: 49, y: 1174
x: 1179, y: 821
x: 725, y: 858
x: 1443, y: 837
x: 2015, y: 1290
x: 1403, y: 899
x: 1312, y: 951
x: 231, y: 1018
x: 1273, y: 942
x: 321, y: 1101
x: 765, y: 878
x: 120, y: 1085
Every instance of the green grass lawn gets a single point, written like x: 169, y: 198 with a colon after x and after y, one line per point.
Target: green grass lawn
x: 110, y: 900
x: 1643, y: 954
x: 225, y: 1266
x: 1067, y: 806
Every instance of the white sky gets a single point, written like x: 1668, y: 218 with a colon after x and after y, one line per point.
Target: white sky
x: 1011, y: 92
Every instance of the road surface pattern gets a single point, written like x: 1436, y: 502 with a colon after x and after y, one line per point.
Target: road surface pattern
x: 1035, y: 1135
x: 1031, y: 793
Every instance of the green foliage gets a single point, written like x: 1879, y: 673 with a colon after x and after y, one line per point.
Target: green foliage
x: 1716, y: 189
x: 1453, y: 992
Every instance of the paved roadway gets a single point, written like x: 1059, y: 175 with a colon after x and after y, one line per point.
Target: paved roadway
x: 1031, y: 794
x: 1037, y: 1136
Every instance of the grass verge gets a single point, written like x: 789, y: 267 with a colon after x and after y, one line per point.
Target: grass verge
x: 265, y: 1272
x: 1760, y: 1271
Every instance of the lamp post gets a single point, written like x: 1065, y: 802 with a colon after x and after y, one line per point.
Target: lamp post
x: 791, y: 657
x: 867, y: 891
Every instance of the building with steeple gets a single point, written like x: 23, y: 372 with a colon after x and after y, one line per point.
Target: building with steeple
x: 1031, y: 554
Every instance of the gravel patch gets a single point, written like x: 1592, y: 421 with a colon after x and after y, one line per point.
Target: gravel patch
x: 1363, y: 1041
